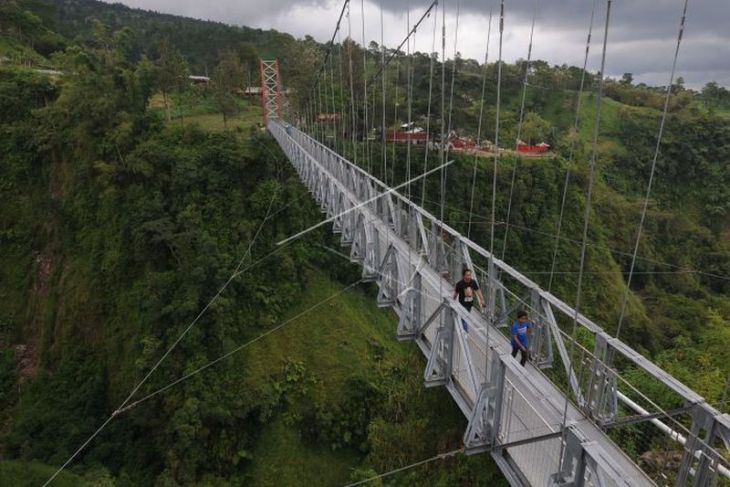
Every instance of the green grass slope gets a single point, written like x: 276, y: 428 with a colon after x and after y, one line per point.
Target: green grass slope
x: 26, y: 474
x: 324, y: 355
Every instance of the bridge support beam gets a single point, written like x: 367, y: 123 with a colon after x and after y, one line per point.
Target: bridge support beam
x: 388, y: 279
x: 483, y: 427
x: 541, y: 343
x: 359, y: 247
x: 437, y: 251
x: 418, y: 236
x: 700, y: 458
x: 563, y: 351
x: 572, y: 466
x: 492, y: 291
x: 440, y: 360
x: 410, y: 317
x: 601, y: 398
x: 371, y: 266
x: 348, y: 223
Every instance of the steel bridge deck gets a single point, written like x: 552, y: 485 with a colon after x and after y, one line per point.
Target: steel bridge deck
x: 514, y: 412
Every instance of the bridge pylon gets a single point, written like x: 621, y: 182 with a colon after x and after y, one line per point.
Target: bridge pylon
x: 271, y: 101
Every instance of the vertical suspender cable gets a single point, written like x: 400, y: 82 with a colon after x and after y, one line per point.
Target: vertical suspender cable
x: 353, y: 126
x: 342, y: 112
x: 573, y: 139
x: 653, y: 170
x: 479, y: 127
x: 315, y: 111
x: 453, y: 73
x: 496, y: 129
x: 409, y: 93
x: 395, y: 117
x: 325, y: 105
x: 319, y: 111
x: 335, y: 112
x: 428, y: 109
x: 442, y: 154
x: 493, y: 285
x: 366, y: 126
x: 316, y: 83
x: 519, y: 129
x: 382, y: 126
x: 589, y: 195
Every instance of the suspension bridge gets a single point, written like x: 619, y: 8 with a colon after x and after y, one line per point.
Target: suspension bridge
x: 556, y: 421
x: 573, y: 415
x: 514, y: 413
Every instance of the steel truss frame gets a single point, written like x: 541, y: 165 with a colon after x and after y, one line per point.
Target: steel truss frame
x: 271, y: 100
x: 514, y: 414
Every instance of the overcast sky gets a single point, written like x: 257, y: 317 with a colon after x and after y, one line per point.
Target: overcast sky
x: 641, y: 39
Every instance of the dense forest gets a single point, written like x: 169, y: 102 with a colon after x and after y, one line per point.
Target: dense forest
x: 129, y: 196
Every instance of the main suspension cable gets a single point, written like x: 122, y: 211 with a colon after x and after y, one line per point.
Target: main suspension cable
x: 318, y: 76
x: 385, y: 63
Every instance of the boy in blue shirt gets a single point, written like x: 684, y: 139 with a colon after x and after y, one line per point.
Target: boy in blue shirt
x: 519, y: 332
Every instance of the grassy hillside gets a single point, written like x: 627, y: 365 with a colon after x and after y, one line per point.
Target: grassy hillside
x: 123, y: 225
x: 347, y: 343
x: 28, y: 474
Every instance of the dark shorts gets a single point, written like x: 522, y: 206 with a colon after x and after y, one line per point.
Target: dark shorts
x: 524, y: 355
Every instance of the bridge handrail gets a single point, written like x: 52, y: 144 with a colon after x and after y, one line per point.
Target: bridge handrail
x: 625, y: 350
x: 338, y: 168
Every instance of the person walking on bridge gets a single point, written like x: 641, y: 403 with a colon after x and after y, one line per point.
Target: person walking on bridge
x: 520, y: 330
x: 465, y: 291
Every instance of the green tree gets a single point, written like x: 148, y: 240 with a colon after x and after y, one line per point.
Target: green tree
x: 535, y: 128
x: 227, y: 78
x: 249, y: 58
x: 173, y: 73
x: 300, y: 65
x: 715, y: 96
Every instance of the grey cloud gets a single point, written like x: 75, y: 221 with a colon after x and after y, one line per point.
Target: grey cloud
x: 642, y: 33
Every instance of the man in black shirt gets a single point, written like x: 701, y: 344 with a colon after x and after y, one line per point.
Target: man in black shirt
x: 466, y: 289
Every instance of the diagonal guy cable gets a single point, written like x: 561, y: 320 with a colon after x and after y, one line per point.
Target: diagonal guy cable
x: 235, y: 273
x: 236, y: 350
x: 360, y: 205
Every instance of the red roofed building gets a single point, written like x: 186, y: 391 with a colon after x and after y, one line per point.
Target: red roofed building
x: 328, y: 117
x: 532, y: 149
x: 412, y: 136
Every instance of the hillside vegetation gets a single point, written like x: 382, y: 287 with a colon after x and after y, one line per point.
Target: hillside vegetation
x: 122, y: 217
x: 129, y: 196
